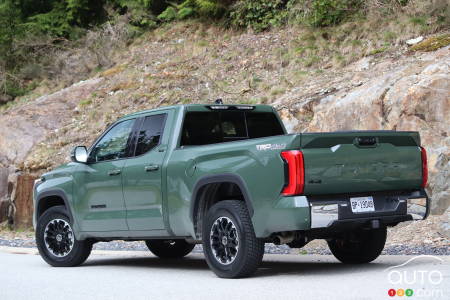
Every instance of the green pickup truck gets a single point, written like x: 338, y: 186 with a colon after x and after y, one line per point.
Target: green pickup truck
x: 231, y: 178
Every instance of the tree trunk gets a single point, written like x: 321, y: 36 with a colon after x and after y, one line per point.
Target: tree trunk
x: 3, y: 193
x: 23, y: 201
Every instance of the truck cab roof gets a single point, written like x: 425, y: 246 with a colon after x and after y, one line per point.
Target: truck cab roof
x: 206, y: 107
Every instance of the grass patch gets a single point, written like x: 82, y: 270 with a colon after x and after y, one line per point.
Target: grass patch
x: 203, y: 43
x: 378, y: 50
x: 113, y: 71
x: 432, y: 44
x: 123, y: 86
x: 85, y: 102
x: 311, y: 60
x: 389, y: 36
x: 277, y: 91
x: 421, y: 21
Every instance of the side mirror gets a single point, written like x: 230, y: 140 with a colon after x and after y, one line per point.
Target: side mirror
x: 79, y: 154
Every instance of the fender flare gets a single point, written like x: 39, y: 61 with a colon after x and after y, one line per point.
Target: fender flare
x: 218, y: 178
x: 54, y: 193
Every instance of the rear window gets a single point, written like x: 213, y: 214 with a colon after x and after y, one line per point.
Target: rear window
x: 202, y: 128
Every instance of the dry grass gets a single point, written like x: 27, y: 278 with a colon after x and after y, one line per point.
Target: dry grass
x: 124, y: 86
x: 192, y: 62
x: 113, y: 71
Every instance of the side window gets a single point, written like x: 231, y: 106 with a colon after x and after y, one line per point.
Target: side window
x: 233, y: 126
x: 113, y: 144
x: 263, y: 124
x: 202, y: 128
x: 150, y: 133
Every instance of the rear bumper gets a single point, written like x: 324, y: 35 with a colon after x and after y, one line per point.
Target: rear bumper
x: 390, y: 208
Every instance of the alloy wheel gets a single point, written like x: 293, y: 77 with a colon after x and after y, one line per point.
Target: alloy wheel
x: 59, y: 238
x: 224, y: 240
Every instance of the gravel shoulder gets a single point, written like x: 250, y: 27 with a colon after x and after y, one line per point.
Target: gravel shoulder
x: 409, y: 238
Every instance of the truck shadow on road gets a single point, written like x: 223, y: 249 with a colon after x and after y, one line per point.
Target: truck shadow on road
x: 267, y: 268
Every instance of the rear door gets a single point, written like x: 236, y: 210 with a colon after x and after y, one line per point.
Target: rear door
x: 142, y: 174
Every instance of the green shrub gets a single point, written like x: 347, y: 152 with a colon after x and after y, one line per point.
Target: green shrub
x: 258, y: 14
x: 169, y: 14
x: 184, y: 13
x: 320, y: 13
x: 15, y: 88
x: 194, y: 8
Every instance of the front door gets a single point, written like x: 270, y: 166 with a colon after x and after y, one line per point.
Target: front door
x: 142, y: 175
x: 98, y: 183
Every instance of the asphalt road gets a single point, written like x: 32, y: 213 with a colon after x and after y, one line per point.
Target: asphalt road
x: 138, y: 275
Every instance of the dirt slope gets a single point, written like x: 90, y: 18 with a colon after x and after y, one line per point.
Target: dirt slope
x: 398, y: 89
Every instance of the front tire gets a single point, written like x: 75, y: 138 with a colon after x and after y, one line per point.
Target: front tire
x: 229, y: 243
x: 169, y: 248
x: 56, y: 241
x: 358, y: 247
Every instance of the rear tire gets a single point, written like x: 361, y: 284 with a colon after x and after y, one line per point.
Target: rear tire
x: 230, y: 245
x: 169, y: 248
x: 56, y: 241
x: 358, y: 247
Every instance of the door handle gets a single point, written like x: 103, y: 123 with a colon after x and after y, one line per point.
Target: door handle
x: 151, y: 168
x: 114, y: 172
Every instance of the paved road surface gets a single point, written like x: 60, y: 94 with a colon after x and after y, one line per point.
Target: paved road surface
x: 138, y: 275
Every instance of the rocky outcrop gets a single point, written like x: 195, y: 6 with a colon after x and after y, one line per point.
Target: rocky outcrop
x: 23, y: 127
x: 399, y: 90
x: 415, y: 96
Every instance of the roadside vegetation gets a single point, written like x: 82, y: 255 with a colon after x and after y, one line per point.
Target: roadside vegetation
x: 50, y: 44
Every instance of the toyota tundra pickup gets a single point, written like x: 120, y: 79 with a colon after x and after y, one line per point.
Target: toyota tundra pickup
x: 229, y: 177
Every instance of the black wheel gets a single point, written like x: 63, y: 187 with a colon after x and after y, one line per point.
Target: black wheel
x: 229, y: 242
x: 358, y: 247
x: 169, y: 248
x: 56, y: 241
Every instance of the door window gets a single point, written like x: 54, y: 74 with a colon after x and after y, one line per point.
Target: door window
x: 113, y: 144
x: 150, y: 133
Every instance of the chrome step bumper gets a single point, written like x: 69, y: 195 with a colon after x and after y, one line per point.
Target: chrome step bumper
x: 326, y: 210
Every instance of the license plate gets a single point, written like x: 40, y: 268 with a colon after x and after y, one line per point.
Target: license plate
x: 362, y: 204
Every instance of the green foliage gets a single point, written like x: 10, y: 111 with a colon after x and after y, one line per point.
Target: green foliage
x: 209, y: 8
x: 258, y: 14
x: 185, y: 12
x: 9, y: 29
x: 195, y: 8
x: 28, y: 28
x: 141, y: 12
x: 168, y: 15
x: 328, y: 12
x: 54, y: 22
x: 14, y: 88
x: 422, y: 21
x: 320, y: 13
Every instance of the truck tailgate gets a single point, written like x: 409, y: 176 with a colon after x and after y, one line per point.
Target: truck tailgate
x: 361, y: 161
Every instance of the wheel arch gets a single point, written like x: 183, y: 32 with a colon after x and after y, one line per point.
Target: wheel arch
x: 52, y: 198
x: 211, y: 184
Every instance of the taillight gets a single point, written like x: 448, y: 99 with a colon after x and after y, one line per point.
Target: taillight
x: 423, y: 154
x: 295, y: 174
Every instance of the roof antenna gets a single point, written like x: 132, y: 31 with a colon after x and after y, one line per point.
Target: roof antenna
x: 218, y: 101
